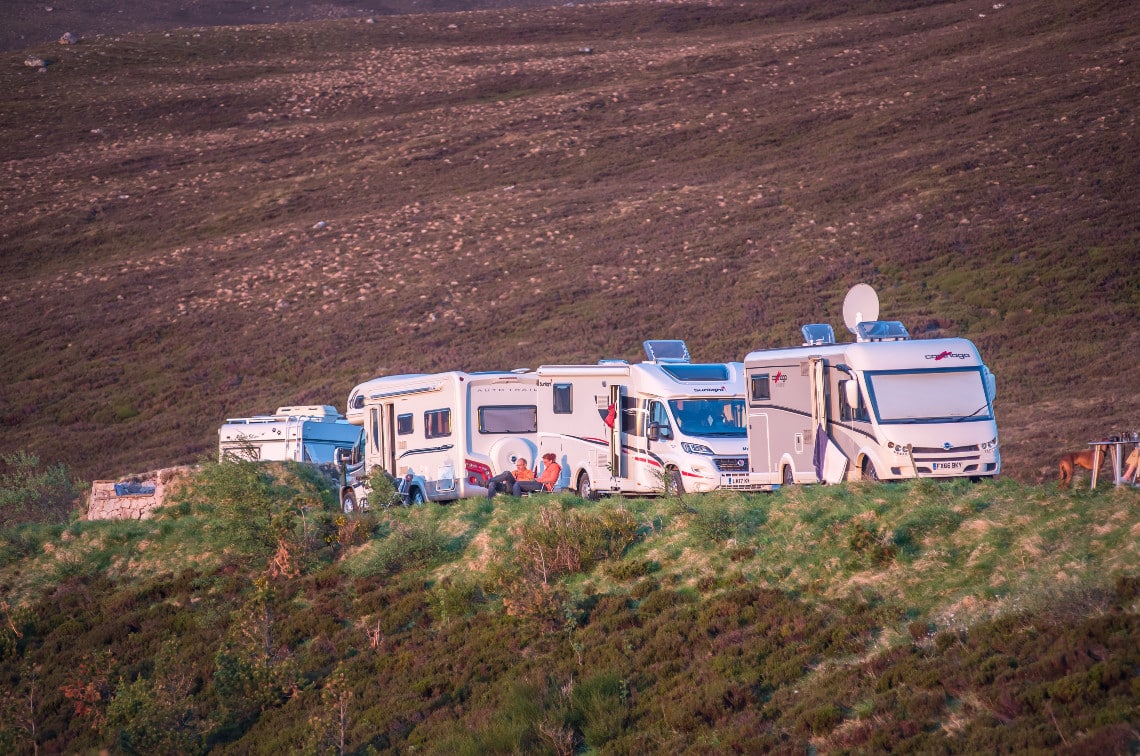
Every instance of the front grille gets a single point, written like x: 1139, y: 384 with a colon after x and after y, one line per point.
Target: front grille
x: 732, y: 464
x: 943, y: 450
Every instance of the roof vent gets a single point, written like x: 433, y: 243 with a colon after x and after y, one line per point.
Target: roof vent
x: 666, y: 351
x: 881, y: 330
x: 818, y: 334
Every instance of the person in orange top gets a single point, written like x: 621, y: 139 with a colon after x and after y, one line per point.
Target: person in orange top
x: 545, y: 482
x: 507, y: 479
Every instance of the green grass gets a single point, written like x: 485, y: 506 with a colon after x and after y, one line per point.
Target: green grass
x: 920, y: 616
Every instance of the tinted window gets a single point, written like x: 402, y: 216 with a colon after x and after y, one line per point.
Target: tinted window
x: 562, y: 403
x: 403, y: 424
x: 437, y: 423
x: 514, y: 418
x: 705, y: 373
x: 761, y: 390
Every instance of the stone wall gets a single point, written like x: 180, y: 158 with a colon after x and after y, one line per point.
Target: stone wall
x: 105, y: 504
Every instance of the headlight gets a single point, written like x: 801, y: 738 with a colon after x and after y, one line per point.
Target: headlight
x: 696, y: 448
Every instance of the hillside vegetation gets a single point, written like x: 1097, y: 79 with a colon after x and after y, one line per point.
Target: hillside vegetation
x: 251, y: 617
x: 213, y: 222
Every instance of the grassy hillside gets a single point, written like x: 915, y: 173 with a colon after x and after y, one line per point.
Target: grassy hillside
x: 206, y: 223
x: 250, y: 617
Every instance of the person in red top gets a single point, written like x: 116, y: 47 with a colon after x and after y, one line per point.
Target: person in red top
x: 545, y: 482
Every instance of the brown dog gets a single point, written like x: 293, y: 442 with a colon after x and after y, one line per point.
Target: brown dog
x: 1073, y: 460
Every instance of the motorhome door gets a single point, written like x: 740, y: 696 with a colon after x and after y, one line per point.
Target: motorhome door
x: 618, y: 467
x: 382, y: 436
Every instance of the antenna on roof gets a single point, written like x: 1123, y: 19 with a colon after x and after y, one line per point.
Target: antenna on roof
x: 861, y: 313
x: 861, y: 305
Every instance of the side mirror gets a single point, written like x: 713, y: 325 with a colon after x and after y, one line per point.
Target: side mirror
x: 851, y: 389
x: 991, y: 385
x: 654, y: 433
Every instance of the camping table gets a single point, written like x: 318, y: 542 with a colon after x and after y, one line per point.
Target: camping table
x: 1116, y: 449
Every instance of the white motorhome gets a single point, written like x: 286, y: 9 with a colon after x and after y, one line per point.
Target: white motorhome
x: 310, y: 433
x: 884, y: 407
x: 641, y: 429
x: 452, y: 431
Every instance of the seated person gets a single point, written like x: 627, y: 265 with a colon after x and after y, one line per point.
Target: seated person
x: 404, y: 487
x: 545, y: 482
x: 507, y: 479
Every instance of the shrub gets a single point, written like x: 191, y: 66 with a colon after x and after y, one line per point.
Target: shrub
x: 563, y: 542
x: 405, y: 546
x: 600, y: 707
x: 29, y: 494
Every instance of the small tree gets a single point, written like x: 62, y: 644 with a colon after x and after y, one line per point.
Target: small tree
x: 29, y: 494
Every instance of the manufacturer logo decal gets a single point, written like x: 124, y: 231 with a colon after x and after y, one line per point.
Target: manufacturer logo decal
x: 944, y: 355
x: 779, y: 378
x: 947, y: 446
x: 712, y: 390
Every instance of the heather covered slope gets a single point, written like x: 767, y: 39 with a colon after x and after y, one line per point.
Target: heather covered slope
x: 251, y: 617
x: 208, y: 223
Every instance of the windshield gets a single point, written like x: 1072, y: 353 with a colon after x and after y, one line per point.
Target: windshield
x: 929, y: 396
x: 709, y: 417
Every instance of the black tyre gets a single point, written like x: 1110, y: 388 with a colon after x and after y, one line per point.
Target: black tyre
x: 416, y: 497
x: 674, y: 485
x: 585, y: 490
x: 348, y: 501
x: 786, y: 476
x: 869, y: 471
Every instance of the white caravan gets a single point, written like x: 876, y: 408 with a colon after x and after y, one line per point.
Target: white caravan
x: 882, y: 408
x: 452, y: 431
x: 642, y: 429
x: 310, y: 433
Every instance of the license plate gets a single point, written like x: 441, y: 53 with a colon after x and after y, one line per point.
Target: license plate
x: 947, y: 465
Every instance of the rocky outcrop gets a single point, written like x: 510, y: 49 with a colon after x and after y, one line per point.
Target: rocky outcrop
x: 134, y: 498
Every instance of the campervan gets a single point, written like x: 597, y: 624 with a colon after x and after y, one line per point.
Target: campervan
x: 452, y: 431
x: 664, y: 424
x: 309, y: 433
x: 884, y: 407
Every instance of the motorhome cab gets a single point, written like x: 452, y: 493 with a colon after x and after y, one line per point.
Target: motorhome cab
x: 453, y: 431
x: 665, y: 423
x: 883, y: 407
x: 310, y: 433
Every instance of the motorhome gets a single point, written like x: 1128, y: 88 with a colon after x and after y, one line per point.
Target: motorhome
x: 664, y: 424
x: 884, y: 407
x: 309, y: 433
x: 452, y: 431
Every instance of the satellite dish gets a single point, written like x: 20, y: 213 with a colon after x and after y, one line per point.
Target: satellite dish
x: 860, y: 306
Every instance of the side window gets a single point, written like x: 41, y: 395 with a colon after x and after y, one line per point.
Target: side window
x: 658, y: 415
x: 404, y: 424
x: 562, y: 403
x: 761, y: 387
x: 632, y: 420
x: 437, y: 423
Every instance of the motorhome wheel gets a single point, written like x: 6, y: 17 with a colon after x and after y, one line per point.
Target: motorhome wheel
x: 349, y: 502
x: 869, y: 471
x: 585, y: 490
x: 786, y: 476
x: 417, y: 496
x: 675, y: 485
